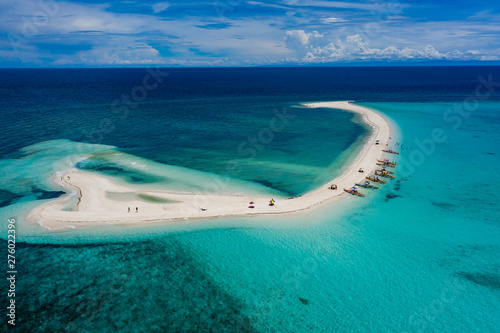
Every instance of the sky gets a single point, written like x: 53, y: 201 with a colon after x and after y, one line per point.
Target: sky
x: 50, y: 33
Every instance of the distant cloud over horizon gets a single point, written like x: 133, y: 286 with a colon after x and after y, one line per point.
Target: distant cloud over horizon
x: 354, y: 48
x: 46, y: 33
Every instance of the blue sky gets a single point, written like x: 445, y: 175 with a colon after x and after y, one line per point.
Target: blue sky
x: 49, y: 33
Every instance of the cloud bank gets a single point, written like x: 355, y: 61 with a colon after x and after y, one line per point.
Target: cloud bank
x: 240, y: 33
x: 354, y: 48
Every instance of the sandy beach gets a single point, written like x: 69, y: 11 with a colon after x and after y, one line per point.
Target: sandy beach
x: 98, y: 204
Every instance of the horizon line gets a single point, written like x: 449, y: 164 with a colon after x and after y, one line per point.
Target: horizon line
x: 492, y: 64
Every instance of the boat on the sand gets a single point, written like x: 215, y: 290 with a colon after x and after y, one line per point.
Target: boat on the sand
x: 386, y: 165
x: 375, y: 179
x: 354, y: 192
x: 384, y: 170
x: 384, y: 174
x: 386, y: 161
x: 367, y: 185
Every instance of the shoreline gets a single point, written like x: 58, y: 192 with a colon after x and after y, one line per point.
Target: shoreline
x: 94, y: 206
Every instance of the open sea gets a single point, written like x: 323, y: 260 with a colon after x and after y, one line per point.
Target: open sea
x: 422, y: 254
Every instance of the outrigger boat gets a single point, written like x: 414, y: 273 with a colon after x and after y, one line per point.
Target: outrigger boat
x: 376, y: 180
x: 384, y: 174
x: 387, y: 162
x: 384, y: 170
x: 390, y: 151
x: 353, y: 191
x: 367, y: 185
x: 387, y: 165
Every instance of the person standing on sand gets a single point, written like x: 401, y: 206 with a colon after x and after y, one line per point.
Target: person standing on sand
x: 136, y: 209
x: 129, y: 209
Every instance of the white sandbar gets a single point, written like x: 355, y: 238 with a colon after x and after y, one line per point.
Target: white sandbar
x: 95, y: 207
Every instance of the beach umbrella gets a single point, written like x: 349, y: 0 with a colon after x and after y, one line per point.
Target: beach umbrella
x: 251, y: 203
x: 354, y: 188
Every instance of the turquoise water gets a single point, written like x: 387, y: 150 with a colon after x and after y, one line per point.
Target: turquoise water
x: 419, y: 255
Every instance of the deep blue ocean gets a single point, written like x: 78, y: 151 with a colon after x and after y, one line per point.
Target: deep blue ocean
x: 422, y: 254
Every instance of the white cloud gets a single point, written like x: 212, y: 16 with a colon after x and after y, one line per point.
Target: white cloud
x: 328, y: 20
x: 130, y: 54
x: 71, y: 18
x: 389, y: 7
x: 354, y: 48
x: 160, y: 7
x: 301, y: 36
x: 484, y: 15
x: 258, y: 3
x: 489, y: 58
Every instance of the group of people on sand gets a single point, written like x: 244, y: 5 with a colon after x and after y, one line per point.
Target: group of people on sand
x: 271, y: 203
